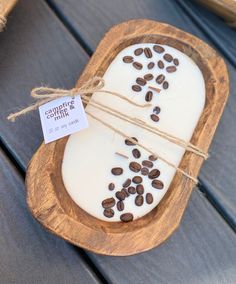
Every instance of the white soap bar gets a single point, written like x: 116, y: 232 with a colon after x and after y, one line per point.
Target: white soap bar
x: 91, y: 153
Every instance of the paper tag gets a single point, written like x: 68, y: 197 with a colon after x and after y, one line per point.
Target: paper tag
x: 62, y: 117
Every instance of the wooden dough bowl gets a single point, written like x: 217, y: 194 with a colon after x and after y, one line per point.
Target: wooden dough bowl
x: 47, y: 197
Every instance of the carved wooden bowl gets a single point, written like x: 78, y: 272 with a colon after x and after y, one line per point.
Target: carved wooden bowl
x: 47, y: 197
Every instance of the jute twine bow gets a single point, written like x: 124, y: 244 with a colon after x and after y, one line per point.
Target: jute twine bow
x: 3, y: 22
x: 96, y: 84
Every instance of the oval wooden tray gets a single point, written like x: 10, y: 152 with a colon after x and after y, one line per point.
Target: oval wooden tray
x: 47, y: 197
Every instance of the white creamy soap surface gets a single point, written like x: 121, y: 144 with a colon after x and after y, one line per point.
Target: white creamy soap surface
x: 91, y: 153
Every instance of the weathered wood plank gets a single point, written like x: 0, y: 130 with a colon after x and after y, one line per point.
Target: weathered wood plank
x: 29, y: 254
x: 203, y: 250
x: 90, y: 19
x: 35, y: 49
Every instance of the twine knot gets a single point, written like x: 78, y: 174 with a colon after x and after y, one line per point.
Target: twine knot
x: 3, y: 22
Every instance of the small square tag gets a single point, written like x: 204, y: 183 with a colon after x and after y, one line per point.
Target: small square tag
x: 62, y: 117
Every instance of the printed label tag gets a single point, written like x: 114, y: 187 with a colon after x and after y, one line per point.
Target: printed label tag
x: 62, y: 117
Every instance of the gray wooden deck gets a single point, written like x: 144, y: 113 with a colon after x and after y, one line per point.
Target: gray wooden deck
x: 50, y: 42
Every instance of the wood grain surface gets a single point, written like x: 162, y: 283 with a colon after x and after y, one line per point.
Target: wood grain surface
x: 29, y: 254
x: 46, y: 196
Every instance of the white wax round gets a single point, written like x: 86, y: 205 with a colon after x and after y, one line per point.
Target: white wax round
x: 90, y: 154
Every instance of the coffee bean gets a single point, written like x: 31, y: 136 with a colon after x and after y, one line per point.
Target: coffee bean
x: 160, y: 78
x: 150, y: 65
x: 160, y: 64
x: 120, y: 195
x: 137, y: 65
x: 108, y: 203
x: 120, y: 205
x: 130, y: 143
x: 176, y: 61
x: 148, y: 96
x: 135, y: 167
x: 138, y: 51
x: 154, y: 173
x: 111, y: 186
x: 137, y: 179
x: 109, y: 213
x: 136, y: 88
x: 136, y: 153
x: 158, y: 48
x: 141, y: 81
x: 132, y: 190
x: 126, y: 217
x: 154, y: 117
x: 125, y: 191
x: 147, y: 163
x: 171, y: 69
x: 117, y: 171
x: 148, y: 77
x: 156, y: 110
x: 140, y: 189
x: 165, y: 85
x: 139, y: 200
x: 148, y: 52
x: 128, y: 59
x: 152, y: 158
x: 157, y: 184
x: 149, y: 198
x: 127, y: 183
x: 144, y: 171
x: 168, y: 57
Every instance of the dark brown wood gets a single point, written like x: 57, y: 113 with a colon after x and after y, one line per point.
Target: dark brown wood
x: 47, y: 197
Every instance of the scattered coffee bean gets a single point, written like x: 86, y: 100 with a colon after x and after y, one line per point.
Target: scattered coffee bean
x: 150, y: 65
x: 157, y: 184
x: 109, y: 213
x: 168, y: 57
x: 149, y: 198
x: 117, y: 171
x: 154, y: 117
x: 154, y: 173
x: 128, y: 59
x: 108, y: 203
x: 120, y: 195
x: 125, y: 191
x: 135, y: 167
x: 141, y: 81
x: 111, y: 186
x: 165, y: 85
x: 138, y: 51
x: 160, y: 64
x: 158, y: 48
x: 130, y: 143
x: 136, y: 153
x: 136, y: 88
x: 127, y: 183
x: 132, y: 190
x: 148, y: 52
x: 160, y: 78
x: 156, y: 110
x: 137, y: 65
x: 152, y: 158
x: 139, y: 200
x: 176, y: 61
x: 126, y: 217
x: 148, y: 77
x: 120, y: 205
x: 147, y: 163
x: 140, y: 189
x: 144, y: 171
x: 171, y: 69
x: 137, y: 179
x: 148, y: 96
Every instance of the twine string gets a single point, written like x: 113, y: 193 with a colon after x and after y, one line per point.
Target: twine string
x: 44, y: 95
